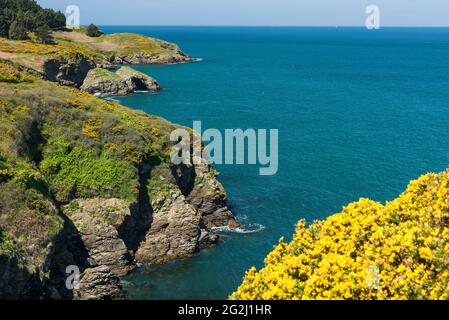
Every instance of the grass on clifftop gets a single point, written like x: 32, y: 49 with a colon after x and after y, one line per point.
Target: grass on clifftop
x: 70, y: 45
x: 33, y: 55
x: 368, y: 251
x: 123, y: 73
x: 119, y: 43
x: 100, y: 74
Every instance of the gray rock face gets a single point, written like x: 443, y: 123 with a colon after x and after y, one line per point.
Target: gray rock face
x: 174, y: 233
x: 97, y: 221
x: 68, y: 72
x: 124, y: 81
x: 210, y: 199
x: 151, y: 59
x: 98, y: 283
x: 183, y: 217
x: 207, y: 239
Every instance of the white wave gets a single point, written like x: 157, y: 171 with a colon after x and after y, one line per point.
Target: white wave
x: 112, y: 99
x: 252, y: 229
x: 184, y: 62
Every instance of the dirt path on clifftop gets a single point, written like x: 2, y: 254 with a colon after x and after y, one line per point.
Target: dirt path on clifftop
x: 105, y: 45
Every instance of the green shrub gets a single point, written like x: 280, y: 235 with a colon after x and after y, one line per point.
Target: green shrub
x: 17, y: 17
x: 17, y: 31
x: 43, y: 35
x: 8, y: 249
x: 84, y: 172
x: 93, y: 31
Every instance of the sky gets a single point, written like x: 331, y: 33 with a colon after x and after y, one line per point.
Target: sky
x: 430, y: 13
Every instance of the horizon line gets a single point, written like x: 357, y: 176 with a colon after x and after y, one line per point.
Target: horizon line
x: 268, y: 26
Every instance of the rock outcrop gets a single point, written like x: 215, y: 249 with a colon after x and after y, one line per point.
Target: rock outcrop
x: 174, y: 232
x: 187, y: 203
x: 98, y: 283
x: 124, y: 81
x: 68, y: 71
x: 98, y: 221
x: 139, y: 58
x: 210, y: 199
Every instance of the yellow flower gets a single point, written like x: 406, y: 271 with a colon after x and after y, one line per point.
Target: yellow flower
x: 425, y: 253
x: 399, y: 250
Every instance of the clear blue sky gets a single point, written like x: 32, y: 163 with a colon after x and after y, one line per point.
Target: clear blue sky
x: 256, y: 12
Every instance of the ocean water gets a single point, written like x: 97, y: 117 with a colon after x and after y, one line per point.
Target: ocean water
x: 359, y: 114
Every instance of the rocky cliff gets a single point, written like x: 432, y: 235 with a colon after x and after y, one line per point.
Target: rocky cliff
x: 124, y: 81
x: 75, y: 56
x: 89, y: 183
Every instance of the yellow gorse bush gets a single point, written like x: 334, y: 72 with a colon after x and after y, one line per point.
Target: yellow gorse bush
x: 33, y: 48
x: 91, y: 128
x: 399, y: 250
x: 9, y: 73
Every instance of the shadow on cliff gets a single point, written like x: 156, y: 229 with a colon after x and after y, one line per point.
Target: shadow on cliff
x: 68, y: 250
x: 185, y: 178
x: 135, y: 227
x: 16, y: 281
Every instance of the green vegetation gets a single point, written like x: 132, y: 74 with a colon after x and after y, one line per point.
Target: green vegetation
x: 12, y: 73
x: 18, y: 17
x: 93, y: 31
x: 127, y: 72
x: 82, y: 146
x: 100, y: 73
x: 84, y: 172
x: 17, y: 31
x: 74, y: 46
x: 130, y: 43
x: 159, y: 186
x: 29, y: 223
x: 8, y: 249
x: 43, y: 35
x: 34, y: 55
x: 62, y: 148
x: 118, y: 44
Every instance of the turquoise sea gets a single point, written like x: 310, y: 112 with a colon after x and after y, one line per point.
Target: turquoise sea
x: 359, y: 114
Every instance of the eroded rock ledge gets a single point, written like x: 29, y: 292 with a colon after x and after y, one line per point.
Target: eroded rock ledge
x: 124, y: 81
x: 179, y: 57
